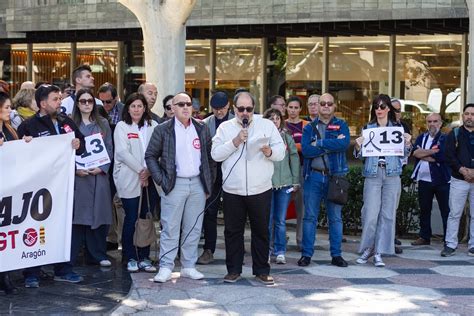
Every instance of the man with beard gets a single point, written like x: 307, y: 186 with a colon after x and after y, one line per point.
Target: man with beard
x: 433, y: 175
x: 460, y: 157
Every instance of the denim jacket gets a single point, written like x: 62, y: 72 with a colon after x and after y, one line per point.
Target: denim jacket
x: 393, y: 164
x: 332, y: 146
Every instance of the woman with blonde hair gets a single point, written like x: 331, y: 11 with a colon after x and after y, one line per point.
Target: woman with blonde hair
x: 25, y: 106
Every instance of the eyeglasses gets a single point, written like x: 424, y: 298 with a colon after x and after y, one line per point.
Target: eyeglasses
x: 183, y: 104
x: 249, y: 109
x: 313, y: 103
x: 107, y: 101
x: 382, y: 106
x: 323, y: 103
x: 434, y: 121
x: 397, y: 110
x: 85, y: 101
x: 167, y: 107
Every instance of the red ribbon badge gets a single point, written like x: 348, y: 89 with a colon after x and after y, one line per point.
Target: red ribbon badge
x: 132, y: 135
x: 196, y: 143
x: 334, y: 127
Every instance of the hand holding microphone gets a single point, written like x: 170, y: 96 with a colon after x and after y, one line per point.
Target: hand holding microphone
x: 243, y: 135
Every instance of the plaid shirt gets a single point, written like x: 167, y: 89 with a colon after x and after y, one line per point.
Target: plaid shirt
x: 114, y: 115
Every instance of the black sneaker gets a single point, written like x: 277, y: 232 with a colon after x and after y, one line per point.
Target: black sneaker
x: 398, y: 250
x: 470, y: 252
x: 339, y: 262
x: 304, y: 261
x: 447, y: 252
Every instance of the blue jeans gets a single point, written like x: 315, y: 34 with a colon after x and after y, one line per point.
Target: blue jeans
x: 315, y: 191
x: 130, y: 207
x: 277, y: 225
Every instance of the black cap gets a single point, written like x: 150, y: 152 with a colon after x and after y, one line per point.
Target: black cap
x: 219, y: 100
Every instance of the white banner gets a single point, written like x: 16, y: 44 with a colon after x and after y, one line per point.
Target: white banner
x: 95, y: 155
x: 383, y: 141
x: 36, y: 200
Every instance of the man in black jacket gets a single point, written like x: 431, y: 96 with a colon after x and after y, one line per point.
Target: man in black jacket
x: 49, y: 121
x: 460, y: 157
x: 179, y: 160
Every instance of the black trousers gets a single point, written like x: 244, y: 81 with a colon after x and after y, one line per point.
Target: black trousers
x: 94, y: 241
x: 209, y: 224
x: 426, y: 192
x: 236, y: 210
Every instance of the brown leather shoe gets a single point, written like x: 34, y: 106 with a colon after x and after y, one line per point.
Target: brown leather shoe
x: 206, y: 257
x: 231, y: 277
x: 420, y: 242
x: 265, y: 279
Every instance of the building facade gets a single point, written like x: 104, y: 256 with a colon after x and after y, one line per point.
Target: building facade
x: 413, y: 50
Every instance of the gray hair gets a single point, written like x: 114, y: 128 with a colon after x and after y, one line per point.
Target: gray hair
x: 237, y: 96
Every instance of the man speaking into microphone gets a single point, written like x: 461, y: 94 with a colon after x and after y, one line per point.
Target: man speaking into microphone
x: 247, y: 146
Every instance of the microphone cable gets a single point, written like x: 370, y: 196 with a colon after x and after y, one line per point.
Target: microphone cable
x: 210, y: 203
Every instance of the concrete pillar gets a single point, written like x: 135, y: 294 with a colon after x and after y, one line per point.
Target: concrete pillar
x: 325, y: 74
x: 464, y: 65
x: 72, y: 62
x: 263, y: 75
x: 212, y: 70
x: 392, y: 64
x: 120, y: 69
x: 29, y: 62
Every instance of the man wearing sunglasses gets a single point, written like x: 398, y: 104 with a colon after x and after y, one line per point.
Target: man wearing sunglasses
x: 220, y: 108
x: 324, y: 145
x: 247, y: 184
x: 109, y: 97
x: 179, y: 160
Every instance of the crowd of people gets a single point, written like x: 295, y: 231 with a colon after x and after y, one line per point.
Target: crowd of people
x: 180, y: 166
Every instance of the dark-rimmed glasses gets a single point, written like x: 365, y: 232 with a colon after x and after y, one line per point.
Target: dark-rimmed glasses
x: 249, y: 109
x: 183, y: 104
x: 85, y: 101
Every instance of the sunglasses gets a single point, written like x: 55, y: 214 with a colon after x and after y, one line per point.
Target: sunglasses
x: 323, y: 103
x: 107, y: 101
x: 397, y: 110
x: 167, y: 107
x: 183, y: 104
x: 249, y: 109
x: 382, y: 106
x: 85, y: 101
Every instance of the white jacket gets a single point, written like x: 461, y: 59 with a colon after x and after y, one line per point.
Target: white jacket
x: 248, y: 177
x: 129, y: 158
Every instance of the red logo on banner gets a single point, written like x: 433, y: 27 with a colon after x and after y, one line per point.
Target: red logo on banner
x: 132, y: 135
x: 67, y: 128
x: 196, y: 143
x: 30, y: 237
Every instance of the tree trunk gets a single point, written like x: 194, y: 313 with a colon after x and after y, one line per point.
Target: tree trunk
x: 163, y: 25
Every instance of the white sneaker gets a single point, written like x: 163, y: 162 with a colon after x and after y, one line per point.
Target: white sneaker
x: 280, y: 259
x: 132, y: 266
x: 191, y: 273
x: 163, y: 275
x: 105, y: 263
x: 147, y: 266
x: 368, y: 252
x: 378, y: 260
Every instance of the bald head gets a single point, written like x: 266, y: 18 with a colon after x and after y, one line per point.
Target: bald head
x: 150, y: 92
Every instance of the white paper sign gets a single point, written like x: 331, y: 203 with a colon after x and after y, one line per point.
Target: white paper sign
x: 95, y: 155
x: 383, y: 141
x: 254, y: 147
x: 36, y: 200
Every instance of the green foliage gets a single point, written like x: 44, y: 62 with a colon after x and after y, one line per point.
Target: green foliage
x: 407, y: 212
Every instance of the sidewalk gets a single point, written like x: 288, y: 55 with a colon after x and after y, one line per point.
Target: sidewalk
x: 417, y: 281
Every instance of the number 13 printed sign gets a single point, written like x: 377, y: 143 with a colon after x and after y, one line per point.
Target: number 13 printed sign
x: 95, y: 154
x: 383, y: 141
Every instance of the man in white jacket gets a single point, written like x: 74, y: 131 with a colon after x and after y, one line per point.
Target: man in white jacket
x: 247, y: 146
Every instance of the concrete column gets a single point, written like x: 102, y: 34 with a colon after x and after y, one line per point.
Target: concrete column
x: 263, y: 75
x: 325, y: 74
x: 120, y: 69
x: 29, y: 62
x: 72, y: 61
x: 464, y: 65
x: 392, y: 64
x: 212, y: 70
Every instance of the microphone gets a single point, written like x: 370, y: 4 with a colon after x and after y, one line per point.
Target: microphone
x: 245, y: 122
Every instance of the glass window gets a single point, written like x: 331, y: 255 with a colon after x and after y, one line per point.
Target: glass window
x: 197, y: 70
x: 358, y: 71
x: 428, y: 76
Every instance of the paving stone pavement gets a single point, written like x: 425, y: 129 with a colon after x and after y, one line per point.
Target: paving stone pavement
x: 418, y: 281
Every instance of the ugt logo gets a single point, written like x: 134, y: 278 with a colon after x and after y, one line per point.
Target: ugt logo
x: 30, y: 237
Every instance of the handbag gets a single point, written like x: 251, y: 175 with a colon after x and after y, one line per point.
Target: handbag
x: 338, y: 186
x: 338, y: 190
x: 145, y: 233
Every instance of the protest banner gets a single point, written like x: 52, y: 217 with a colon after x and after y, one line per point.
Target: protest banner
x: 36, y: 200
x: 383, y: 141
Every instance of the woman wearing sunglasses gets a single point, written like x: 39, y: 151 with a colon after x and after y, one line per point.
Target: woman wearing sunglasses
x: 382, y: 186
x: 92, y: 207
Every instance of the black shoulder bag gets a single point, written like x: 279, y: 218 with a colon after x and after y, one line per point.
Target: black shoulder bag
x: 338, y: 188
